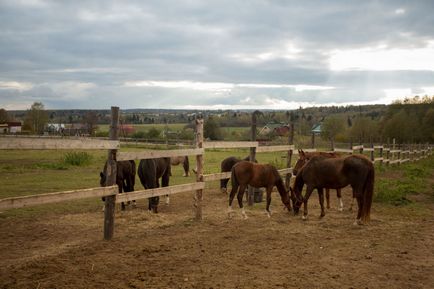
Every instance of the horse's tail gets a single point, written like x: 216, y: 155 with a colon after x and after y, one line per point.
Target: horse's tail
x: 234, y: 180
x: 368, y: 192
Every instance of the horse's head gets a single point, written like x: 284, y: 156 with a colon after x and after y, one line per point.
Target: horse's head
x: 300, y: 162
x: 102, y: 179
x: 296, y: 200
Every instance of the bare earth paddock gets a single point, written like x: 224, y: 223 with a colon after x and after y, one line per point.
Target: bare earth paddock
x: 170, y: 250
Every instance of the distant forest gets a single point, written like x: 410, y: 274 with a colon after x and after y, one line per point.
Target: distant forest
x: 407, y: 121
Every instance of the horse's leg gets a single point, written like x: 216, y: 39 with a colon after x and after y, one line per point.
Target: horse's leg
x: 309, y: 191
x: 327, y: 192
x: 321, y: 201
x: 269, y: 190
x: 352, y: 201
x: 224, y: 185
x: 231, y: 198
x: 341, y: 204
x: 359, y: 211
x: 120, y: 187
x: 240, y: 200
x: 164, y: 183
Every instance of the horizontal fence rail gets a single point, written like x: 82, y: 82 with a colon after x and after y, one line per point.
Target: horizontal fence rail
x: 230, y: 145
x: 279, y: 148
x: 33, y: 200
x: 144, y: 194
x: 154, y: 154
x: 54, y: 143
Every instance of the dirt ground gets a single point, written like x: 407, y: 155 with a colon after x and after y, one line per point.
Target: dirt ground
x: 170, y: 250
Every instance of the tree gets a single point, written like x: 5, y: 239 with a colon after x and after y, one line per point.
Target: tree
x: 364, y: 129
x: 3, y: 115
x: 211, y: 130
x: 331, y: 127
x: 36, y: 118
x: 428, y: 125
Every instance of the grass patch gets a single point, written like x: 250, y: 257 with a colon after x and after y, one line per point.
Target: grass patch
x: 413, y: 180
x: 77, y: 158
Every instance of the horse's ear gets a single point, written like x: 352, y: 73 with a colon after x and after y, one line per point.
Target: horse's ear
x: 101, y: 174
x: 302, y: 154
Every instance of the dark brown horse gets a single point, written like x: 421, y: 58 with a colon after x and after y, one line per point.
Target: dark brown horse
x: 321, y: 172
x: 150, y: 171
x: 256, y: 175
x: 125, y: 177
x: 226, y: 166
x: 305, y: 157
x: 174, y: 161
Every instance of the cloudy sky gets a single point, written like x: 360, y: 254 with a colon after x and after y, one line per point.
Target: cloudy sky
x: 213, y: 54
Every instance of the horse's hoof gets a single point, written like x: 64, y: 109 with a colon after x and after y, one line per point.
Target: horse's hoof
x: 245, y: 217
x: 340, y: 209
x: 268, y: 214
x: 321, y: 216
x: 304, y: 218
x: 357, y: 222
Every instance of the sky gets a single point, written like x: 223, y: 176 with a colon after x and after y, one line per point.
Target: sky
x: 222, y: 54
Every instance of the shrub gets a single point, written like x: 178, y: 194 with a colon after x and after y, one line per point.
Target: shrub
x: 139, y: 135
x: 77, y: 158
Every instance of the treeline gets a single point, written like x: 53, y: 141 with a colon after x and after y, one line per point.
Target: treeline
x: 408, y: 121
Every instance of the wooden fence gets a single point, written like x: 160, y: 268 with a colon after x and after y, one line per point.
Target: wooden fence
x: 377, y: 153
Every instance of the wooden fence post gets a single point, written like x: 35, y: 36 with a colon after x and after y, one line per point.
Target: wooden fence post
x: 252, y: 156
x: 199, y: 167
x: 289, y: 157
x: 381, y: 154
x: 110, y: 201
x: 372, y: 152
x: 313, y: 140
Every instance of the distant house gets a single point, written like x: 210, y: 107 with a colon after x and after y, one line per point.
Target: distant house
x: 316, y: 129
x: 55, y: 128
x: 10, y: 127
x: 279, y: 128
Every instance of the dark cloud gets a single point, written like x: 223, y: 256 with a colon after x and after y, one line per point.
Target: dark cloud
x: 81, y: 53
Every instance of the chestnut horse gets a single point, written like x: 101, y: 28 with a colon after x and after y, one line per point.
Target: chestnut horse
x: 150, y: 171
x: 125, y: 177
x: 226, y: 166
x: 174, y: 161
x: 335, y: 173
x: 256, y: 175
x: 306, y: 156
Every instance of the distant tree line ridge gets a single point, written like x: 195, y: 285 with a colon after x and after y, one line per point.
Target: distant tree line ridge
x: 407, y: 121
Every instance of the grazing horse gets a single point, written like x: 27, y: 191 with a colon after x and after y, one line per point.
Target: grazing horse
x: 226, y: 166
x: 256, y: 175
x: 306, y: 156
x: 150, y: 171
x: 174, y: 161
x: 334, y: 173
x: 125, y: 177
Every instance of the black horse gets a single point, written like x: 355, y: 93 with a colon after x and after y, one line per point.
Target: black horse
x: 226, y: 166
x: 125, y: 177
x: 150, y: 171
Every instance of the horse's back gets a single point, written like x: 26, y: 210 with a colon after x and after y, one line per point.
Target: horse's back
x: 256, y: 175
x: 227, y: 164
